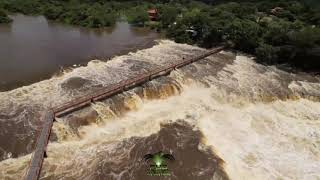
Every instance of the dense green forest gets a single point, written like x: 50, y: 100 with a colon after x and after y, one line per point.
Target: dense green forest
x: 276, y: 31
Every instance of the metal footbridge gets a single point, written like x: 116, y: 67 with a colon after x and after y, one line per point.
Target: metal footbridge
x: 48, y: 119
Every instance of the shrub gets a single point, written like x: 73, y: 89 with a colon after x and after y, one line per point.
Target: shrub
x: 4, y: 17
x: 266, y: 53
x: 137, y: 16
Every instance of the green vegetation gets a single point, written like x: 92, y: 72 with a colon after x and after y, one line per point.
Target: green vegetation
x: 70, y: 12
x: 137, y: 15
x: 94, y: 15
x: 284, y: 31
x: 4, y: 17
x: 276, y: 31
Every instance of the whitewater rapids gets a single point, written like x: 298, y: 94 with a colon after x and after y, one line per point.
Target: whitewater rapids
x: 235, y: 118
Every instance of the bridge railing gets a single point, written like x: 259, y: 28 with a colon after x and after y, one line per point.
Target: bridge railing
x: 48, y: 119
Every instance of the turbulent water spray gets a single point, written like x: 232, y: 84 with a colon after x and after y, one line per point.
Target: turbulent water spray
x: 238, y: 119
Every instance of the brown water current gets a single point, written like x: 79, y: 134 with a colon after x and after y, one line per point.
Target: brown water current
x: 33, y: 48
x: 224, y: 117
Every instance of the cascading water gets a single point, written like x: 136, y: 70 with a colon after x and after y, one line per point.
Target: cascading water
x: 222, y: 117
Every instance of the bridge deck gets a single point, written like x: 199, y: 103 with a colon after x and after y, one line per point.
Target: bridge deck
x: 48, y: 119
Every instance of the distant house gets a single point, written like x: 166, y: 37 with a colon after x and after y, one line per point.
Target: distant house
x: 153, y: 14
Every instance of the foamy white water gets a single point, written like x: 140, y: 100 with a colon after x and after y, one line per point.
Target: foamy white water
x: 263, y: 122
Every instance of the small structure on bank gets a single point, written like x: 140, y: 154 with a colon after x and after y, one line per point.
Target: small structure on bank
x: 153, y: 14
x: 276, y: 10
x: 192, y: 31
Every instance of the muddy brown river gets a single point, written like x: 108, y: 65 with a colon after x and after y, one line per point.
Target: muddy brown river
x: 33, y: 49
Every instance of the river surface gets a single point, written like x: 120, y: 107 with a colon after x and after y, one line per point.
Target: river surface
x: 224, y: 117
x: 33, y: 49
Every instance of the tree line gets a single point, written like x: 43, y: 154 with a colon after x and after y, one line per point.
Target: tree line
x: 276, y: 31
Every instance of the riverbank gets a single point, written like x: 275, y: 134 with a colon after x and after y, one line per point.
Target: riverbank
x: 277, y: 32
